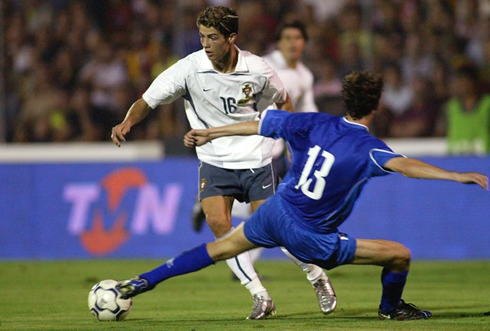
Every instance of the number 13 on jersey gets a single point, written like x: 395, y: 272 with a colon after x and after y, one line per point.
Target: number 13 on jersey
x: 306, y: 175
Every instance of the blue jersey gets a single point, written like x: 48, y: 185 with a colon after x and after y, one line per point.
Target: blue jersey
x: 332, y: 160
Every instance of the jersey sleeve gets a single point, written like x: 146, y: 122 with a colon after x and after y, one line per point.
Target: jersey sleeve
x: 272, y: 122
x: 168, y: 86
x: 274, y: 90
x: 282, y: 124
x: 379, y: 156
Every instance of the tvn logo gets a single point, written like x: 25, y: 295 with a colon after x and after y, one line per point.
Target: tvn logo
x: 94, y: 205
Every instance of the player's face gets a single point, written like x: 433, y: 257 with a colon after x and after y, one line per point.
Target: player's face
x: 214, y: 43
x: 291, y: 44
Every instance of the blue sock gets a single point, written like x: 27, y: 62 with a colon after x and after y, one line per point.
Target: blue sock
x: 393, y: 284
x: 189, y: 261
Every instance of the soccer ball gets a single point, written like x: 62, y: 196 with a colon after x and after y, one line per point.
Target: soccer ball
x: 105, y: 302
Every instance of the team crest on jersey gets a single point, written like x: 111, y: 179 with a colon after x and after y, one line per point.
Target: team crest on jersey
x: 202, y: 185
x: 247, y: 94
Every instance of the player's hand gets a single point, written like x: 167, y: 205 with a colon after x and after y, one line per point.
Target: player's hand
x: 195, y: 138
x: 118, y: 133
x: 473, y: 178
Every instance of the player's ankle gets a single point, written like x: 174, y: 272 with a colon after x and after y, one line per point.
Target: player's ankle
x: 263, y: 294
x: 315, y: 274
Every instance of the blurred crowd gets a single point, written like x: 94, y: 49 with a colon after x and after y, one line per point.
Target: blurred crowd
x: 73, y: 67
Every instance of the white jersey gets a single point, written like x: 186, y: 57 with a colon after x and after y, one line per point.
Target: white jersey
x: 299, y: 85
x: 215, y: 99
x: 297, y: 81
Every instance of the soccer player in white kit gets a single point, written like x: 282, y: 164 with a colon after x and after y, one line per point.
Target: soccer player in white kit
x: 222, y: 84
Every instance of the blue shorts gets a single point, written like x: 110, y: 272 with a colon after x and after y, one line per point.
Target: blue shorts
x: 271, y: 226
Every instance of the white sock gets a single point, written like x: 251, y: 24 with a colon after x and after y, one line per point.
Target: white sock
x: 313, y: 272
x: 255, y: 253
x: 255, y: 287
x: 242, y: 267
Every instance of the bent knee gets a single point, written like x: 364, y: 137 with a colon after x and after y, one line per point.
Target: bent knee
x: 220, y: 225
x: 217, y: 251
x: 402, y: 258
x: 223, y: 250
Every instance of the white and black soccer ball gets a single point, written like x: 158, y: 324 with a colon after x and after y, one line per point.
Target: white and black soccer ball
x: 105, y: 302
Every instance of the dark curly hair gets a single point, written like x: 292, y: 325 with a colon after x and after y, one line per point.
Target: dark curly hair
x: 361, y: 91
x: 291, y: 25
x: 223, y: 19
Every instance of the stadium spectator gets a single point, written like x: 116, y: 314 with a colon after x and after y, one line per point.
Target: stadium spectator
x: 416, y: 62
x: 353, y: 34
x: 478, y: 47
x: 397, y: 96
x: 485, y: 68
x: 467, y: 114
x: 420, y: 118
x: 324, y: 43
x: 138, y: 58
x: 396, y: 100
x: 85, y: 121
x: 386, y: 21
x: 327, y: 88
x: 327, y: 83
x: 427, y: 38
x: 440, y: 80
x: 104, y: 74
x: 351, y: 59
x: 42, y: 111
x: 305, y: 213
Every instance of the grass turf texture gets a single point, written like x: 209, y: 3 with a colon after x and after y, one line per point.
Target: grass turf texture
x: 53, y: 296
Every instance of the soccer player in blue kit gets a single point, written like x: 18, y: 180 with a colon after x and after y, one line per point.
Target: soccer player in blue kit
x: 332, y: 159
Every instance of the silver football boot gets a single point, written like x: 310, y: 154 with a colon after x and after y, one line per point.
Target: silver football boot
x: 262, y: 308
x: 327, y: 300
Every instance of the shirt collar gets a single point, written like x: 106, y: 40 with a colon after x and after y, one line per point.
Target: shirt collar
x: 356, y: 125
x: 241, y: 65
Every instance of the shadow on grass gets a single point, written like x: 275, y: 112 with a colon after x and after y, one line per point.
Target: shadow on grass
x: 339, y: 316
x: 456, y: 315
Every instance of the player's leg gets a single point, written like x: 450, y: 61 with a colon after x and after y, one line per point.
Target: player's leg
x: 327, y: 300
x: 187, y: 262
x: 260, y: 184
x: 232, y: 245
x: 217, y: 187
x: 231, y: 248
x: 395, y: 260
x: 242, y: 211
x: 218, y: 216
x: 325, y: 293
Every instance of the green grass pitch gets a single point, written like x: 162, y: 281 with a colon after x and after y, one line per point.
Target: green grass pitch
x: 53, y: 296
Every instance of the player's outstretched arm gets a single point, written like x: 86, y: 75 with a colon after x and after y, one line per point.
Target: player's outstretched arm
x: 200, y: 137
x: 418, y: 169
x: 135, y: 114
